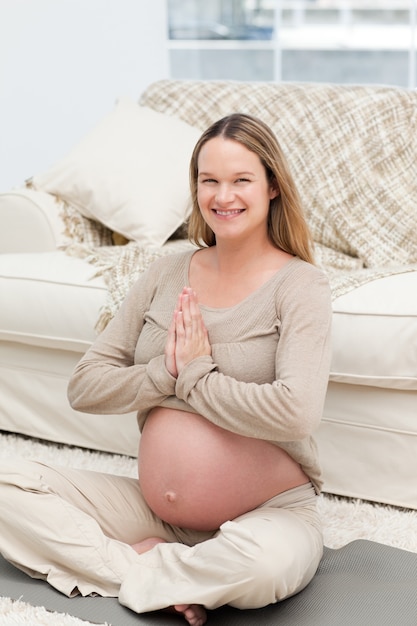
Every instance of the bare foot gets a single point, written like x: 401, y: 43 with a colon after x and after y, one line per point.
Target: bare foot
x: 195, y: 614
x: 147, y: 544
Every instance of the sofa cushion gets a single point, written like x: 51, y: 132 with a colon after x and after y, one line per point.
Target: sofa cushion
x: 51, y: 300
x: 374, y: 331
x: 130, y: 173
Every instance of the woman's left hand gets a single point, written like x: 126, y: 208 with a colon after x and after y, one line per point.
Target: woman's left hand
x: 191, y: 334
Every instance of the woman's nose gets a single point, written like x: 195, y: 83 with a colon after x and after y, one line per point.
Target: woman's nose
x: 225, y: 194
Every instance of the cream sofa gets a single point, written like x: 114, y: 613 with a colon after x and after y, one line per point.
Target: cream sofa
x: 64, y: 270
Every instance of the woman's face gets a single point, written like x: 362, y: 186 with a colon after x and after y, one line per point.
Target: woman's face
x: 233, y: 192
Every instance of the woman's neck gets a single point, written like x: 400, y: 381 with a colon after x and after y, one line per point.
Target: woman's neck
x: 237, y: 258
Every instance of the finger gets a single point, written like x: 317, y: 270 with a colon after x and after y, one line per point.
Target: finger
x: 198, y: 321
x: 179, y: 301
x: 179, y: 326
x: 187, y: 319
x: 194, y: 307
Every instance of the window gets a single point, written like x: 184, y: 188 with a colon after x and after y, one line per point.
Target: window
x: 342, y: 41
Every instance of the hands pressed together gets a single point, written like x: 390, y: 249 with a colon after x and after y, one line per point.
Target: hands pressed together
x: 187, y: 335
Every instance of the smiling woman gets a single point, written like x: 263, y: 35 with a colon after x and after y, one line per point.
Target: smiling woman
x: 224, y: 353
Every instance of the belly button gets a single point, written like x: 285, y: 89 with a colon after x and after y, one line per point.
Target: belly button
x: 171, y: 496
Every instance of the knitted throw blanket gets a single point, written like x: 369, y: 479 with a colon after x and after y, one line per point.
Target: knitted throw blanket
x: 121, y: 266
x: 352, y: 151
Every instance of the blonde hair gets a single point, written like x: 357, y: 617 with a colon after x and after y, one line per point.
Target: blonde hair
x: 287, y: 226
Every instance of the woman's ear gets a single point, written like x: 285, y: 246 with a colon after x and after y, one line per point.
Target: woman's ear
x: 273, y: 189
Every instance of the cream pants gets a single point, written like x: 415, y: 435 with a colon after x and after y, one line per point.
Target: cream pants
x: 73, y: 528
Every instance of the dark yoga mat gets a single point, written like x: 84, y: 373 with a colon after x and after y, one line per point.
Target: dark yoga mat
x: 362, y: 584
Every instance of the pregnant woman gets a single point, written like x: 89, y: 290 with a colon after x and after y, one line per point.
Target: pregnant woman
x: 224, y: 353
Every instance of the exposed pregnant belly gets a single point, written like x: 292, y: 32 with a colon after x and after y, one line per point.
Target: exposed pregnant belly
x: 196, y: 475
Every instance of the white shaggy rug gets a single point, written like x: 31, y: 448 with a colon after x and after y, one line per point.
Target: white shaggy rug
x: 344, y: 520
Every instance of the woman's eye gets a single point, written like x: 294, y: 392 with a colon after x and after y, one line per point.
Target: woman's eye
x: 242, y: 180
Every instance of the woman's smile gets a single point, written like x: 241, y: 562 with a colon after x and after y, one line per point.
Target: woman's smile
x: 229, y: 213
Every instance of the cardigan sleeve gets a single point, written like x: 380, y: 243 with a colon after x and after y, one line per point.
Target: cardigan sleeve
x: 290, y: 407
x: 107, y: 380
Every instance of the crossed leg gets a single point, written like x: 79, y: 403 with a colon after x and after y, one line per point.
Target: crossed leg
x: 85, y: 524
x: 195, y: 614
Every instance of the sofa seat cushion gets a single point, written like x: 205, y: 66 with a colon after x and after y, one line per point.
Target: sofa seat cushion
x: 50, y: 300
x: 374, y: 331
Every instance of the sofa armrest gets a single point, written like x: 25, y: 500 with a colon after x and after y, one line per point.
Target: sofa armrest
x: 30, y: 221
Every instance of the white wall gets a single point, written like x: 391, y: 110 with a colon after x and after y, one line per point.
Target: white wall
x: 63, y: 63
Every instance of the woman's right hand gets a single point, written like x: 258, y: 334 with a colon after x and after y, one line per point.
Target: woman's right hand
x: 187, y: 336
x: 191, y: 335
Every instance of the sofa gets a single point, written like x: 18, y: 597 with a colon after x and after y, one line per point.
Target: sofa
x: 74, y: 238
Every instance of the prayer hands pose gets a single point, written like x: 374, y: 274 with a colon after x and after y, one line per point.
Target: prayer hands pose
x: 187, y: 335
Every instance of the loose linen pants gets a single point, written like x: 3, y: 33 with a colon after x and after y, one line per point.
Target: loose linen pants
x: 74, y: 529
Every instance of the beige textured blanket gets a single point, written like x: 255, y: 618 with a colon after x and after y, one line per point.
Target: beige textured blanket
x: 122, y: 265
x: 352, y: 150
